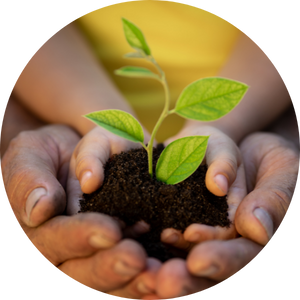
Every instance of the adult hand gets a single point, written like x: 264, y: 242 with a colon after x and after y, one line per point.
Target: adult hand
x: 271, y: 165
x: 87, y: 246
x: 225, y: 175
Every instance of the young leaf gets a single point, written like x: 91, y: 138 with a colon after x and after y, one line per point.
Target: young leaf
x: 209, y: 99
x: 180, y: 159
x: 135, y: 37
x: 120, y: 123
x: 136, y: 72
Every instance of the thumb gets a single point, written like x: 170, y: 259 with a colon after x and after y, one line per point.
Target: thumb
x: 222, y: 157
x: 30, y: 169
x: 261, y: 212
x: 86, y: 173
x: 224, y: 160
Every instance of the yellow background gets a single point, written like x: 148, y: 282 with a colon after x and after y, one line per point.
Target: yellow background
x: 188, y: 44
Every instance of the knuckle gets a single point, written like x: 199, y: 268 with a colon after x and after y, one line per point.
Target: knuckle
x: 227, y: 258
x: 283, y: 198
x: 81, y: 160
x: 103, y: 264
x: 23, y: 138
x: 14, y: 178
x: 230, y: 165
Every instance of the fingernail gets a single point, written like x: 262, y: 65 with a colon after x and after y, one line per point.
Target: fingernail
x: 142, y: 288
x: 85, y: 177
x: 222, y: 183
x: 33, y: 199
x: 141, y: 227
x: 123, y: 269
x: 195, y: 237
x: 211, y: 270
x: 265, y: 220
x: 101, y: 242
x: 171, y: 238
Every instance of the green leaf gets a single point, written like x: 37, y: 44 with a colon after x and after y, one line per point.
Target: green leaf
x: 118, y: 122
x: 135, y: 37
x: 180, y: 159
x: 136, y: 72
x: 210, y: 98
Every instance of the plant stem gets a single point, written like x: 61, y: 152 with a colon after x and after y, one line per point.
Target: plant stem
x: 164, y: 113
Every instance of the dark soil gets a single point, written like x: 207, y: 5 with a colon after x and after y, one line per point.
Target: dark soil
x: 130, y: 194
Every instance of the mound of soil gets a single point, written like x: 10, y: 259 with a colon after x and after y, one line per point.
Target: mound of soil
x: 130, y: 194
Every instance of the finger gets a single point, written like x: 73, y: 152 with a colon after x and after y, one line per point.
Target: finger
x: 77, y: 236
x: 91, y: 155
x: 196, y: 233
x: 30, y: 180
x: 222, y: 157
x: 86, y: 172
x: 262, y: 211
x: 206, y: 267
x: 146, y: 282
x: 174, y: 281
x: 143, y: 284
x: 136, y: 230
x: 30, y: 169
x: 108, y: 269
x: 223, y: 160
x: 218, y: 260
x: 73, y: 190
x: 133, y: 231
x: 175, y: 238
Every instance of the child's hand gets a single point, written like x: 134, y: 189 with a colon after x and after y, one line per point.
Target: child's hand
x: 225, y: 176
x: 88, y: 161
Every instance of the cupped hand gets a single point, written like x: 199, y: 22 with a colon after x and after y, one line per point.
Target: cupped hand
x: 88, y: 161
x: 35, y: 169
x: 271, y: 165
x: 88, y: 246
x: 225, y: 176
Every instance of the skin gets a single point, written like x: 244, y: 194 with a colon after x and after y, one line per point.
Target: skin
x: 84, y: 78
x: 81, y: 88
x: 84, y: 86
x: 265, y: 150
x: 38, y: 161
x: 264, y: 102
x: 271, y: 164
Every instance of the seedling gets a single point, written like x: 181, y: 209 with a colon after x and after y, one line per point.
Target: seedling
x: 206, y: 99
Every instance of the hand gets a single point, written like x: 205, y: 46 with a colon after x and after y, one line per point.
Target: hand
x: 271, y: 165
x: 225, y: 175
x: 86, y: 175
x: 87, y: 247
x: 88, y: 161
